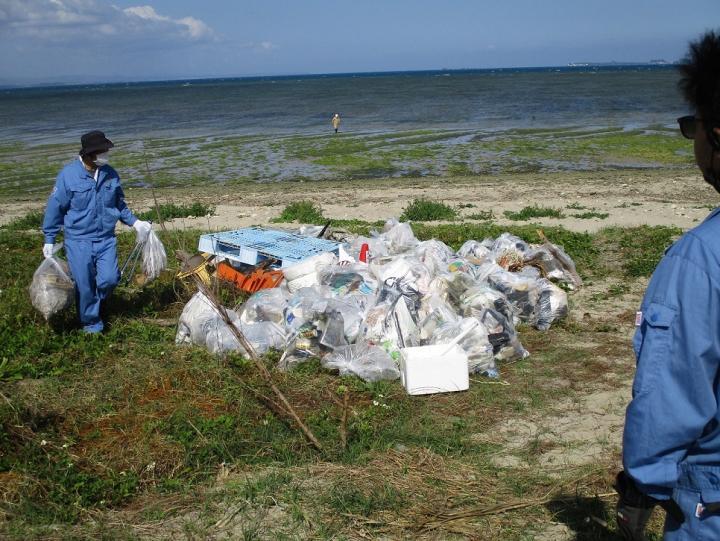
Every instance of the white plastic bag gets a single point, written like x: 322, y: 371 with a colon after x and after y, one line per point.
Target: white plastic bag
x: 154, y: 257
x: 52, y: 289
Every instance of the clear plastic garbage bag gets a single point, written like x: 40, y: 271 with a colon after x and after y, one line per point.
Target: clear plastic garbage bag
x: 476, y: 252
x: 305, y: 306
x: 265, y: 305
x: 399, y: 236
x: 52, y: 289
x: 522, y: 294
x: 552, y: 304
x: 370, y: 363
x: 502, y: 336
x: 435, y: 255
x: 475, y: 344
x: 154, y: 258
x: 555, y: 264
x: 201, y: 324
x: 482, y: 297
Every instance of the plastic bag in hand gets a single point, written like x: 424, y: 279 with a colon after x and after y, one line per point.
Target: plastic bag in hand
x: 52, y: 289
x: 154, y: 257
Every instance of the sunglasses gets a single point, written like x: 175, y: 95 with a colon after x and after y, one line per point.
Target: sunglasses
x: 688, y: 126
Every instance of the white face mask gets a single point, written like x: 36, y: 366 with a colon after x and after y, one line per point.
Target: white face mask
x: 102, y: 159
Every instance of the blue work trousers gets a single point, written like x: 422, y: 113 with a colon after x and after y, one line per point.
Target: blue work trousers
x: 94, y: 268
x: 698, y: 487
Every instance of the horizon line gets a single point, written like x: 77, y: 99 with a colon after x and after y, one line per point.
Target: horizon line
x: 570, y: 65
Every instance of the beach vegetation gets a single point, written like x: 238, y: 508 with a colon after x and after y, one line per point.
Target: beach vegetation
x: 304, y: 212
x: 170, y: 211
x: 576, y: 206
x: 427, y: 210
x: 483, y: 215
x: 534, y: 211
x: 589, y: 215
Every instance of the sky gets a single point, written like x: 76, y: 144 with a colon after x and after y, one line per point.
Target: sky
x: 80, y: 41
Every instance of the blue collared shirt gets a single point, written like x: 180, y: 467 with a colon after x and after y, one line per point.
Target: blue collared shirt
x: 673, y: 419
x: 87, y: 207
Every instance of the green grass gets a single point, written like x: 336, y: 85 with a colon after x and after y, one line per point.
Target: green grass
x: 170, y: 211
x: 640, y: 248
x: 535, y: 211
x: 426, y: 210
x: 304, y: 212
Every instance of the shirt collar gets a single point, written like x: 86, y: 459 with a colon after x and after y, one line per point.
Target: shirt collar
x: 97, y: 169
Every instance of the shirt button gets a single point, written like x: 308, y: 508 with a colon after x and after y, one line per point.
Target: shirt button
x: 653, y: 318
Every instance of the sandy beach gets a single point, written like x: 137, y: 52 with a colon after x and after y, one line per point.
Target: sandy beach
x: 630, y: 198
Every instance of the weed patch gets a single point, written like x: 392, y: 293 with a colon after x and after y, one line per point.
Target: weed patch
x: 425, y: 210
x: 484, y: 216
x: 169, y: 211
x: 590, y: 215
x: 304, y: 212
x: 640, y: 248
x: 527, y: 213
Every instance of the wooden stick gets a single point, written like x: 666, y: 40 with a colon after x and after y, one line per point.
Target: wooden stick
x: 152, y: 190
x: 262, y: 369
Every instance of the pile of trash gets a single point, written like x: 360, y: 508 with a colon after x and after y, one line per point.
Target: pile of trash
x: 357, y: 316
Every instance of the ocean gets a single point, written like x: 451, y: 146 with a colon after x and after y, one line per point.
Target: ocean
x: 479, y: 100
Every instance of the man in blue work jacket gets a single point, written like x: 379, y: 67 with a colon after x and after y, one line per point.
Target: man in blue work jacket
x: 87, y: 202
x: 671, y: 443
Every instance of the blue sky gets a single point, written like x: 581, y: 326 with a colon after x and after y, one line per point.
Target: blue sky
x: 99, y: 40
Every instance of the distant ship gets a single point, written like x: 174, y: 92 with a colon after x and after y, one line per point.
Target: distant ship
x: 654, y: 62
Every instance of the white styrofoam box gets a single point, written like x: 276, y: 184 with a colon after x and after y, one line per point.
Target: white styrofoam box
x: 426, y: 370
x: 307, y: 280
x: 308, y: 266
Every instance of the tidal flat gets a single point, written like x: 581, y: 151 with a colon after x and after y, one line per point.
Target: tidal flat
x: 26, y: 170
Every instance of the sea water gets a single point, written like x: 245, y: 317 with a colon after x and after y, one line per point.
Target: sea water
x: 625, y: 96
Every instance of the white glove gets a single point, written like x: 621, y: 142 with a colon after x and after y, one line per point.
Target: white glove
x: 48, y: 250
x: 143, y: 230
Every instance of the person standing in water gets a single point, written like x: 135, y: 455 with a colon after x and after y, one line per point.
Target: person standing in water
x: 335, y: 121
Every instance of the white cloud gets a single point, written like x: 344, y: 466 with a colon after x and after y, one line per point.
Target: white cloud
x: 67, y: 21
x: 267, y: 45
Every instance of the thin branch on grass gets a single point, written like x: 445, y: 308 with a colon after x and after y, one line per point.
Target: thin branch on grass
x: 152, y: 190
x: 261, y: 368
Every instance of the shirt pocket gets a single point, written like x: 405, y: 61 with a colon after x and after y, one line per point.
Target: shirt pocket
x: 654, y: 346
x: 109, y: 193
x: 80, y: 198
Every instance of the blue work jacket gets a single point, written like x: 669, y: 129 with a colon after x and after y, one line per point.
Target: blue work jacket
x: 87, y: 209
x: 672, y: 424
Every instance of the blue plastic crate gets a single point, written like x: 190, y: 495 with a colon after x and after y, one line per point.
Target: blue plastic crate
x: 252, y: 245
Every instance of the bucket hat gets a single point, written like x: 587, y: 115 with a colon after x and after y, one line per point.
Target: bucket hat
x: 94, y: 142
